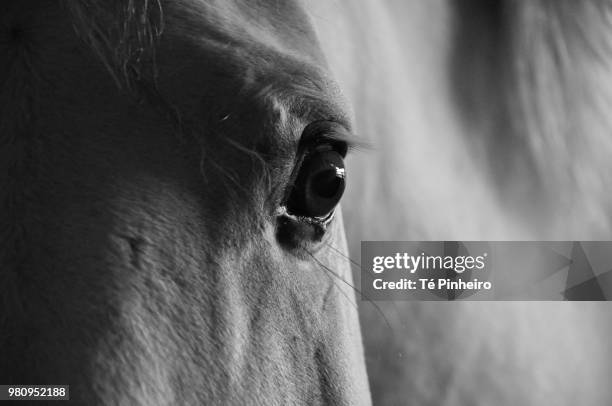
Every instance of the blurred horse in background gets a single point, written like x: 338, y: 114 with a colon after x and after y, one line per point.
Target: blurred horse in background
x: 489, y: 121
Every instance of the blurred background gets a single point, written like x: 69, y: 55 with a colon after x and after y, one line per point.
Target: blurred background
x: 486, y: 120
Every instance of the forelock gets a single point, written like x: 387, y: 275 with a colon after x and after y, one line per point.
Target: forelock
x: 122, y: 34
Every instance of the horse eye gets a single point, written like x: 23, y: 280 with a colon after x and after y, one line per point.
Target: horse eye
x: 319, y: 184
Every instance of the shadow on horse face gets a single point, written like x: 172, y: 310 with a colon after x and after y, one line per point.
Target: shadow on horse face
x: 146, y: 198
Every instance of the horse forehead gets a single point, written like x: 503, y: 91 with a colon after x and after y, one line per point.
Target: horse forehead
x: 264, y: 28
x: 254, y: 58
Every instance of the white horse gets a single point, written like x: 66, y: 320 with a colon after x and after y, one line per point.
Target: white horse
x: 170, y: 179
x: 171, y: 172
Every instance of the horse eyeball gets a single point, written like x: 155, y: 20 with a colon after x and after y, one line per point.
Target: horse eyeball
x: 319, y: 184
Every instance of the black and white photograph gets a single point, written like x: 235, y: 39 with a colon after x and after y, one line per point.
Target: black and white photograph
x: 306, y: 202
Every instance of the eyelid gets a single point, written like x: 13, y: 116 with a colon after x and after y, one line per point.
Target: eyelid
x: 325, y: 132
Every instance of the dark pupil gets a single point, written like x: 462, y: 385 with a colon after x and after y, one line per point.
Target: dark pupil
x: 319, y: 185
x: 327, y: 184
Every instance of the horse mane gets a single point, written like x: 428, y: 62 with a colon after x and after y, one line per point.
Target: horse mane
x: 534, y: 77
x: 560, y: 83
